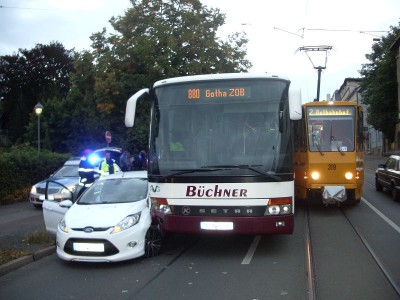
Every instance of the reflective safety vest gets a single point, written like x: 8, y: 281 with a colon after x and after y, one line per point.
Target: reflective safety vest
x: 105, y: 167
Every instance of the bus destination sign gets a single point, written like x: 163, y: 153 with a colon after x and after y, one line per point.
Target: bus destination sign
x: 331, y: 111
x: 218, y: 93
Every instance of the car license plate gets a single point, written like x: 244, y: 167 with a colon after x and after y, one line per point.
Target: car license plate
x: 89, y: 247
x: 216, y: 225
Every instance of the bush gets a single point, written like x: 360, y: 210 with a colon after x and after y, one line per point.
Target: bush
x: 22, y: 167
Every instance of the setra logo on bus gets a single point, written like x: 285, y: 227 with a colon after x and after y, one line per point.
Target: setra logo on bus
x: 201, y: 192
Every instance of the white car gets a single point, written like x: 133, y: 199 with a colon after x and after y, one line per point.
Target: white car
x: 109, y: 222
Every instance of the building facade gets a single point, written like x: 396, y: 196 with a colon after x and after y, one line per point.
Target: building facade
x: 350, y: 90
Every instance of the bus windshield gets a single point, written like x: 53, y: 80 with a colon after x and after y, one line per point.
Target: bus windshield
x: 234, y: 127
x: 331, y: 129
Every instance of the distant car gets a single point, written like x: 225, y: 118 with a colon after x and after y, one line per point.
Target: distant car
x: 387, y: 176
x: 67, y: 175
x: 110, y: 222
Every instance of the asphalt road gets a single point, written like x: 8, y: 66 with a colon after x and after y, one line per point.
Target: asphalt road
x: 349, y: 247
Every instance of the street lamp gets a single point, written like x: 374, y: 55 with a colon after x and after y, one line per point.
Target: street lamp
x: 38, y: 111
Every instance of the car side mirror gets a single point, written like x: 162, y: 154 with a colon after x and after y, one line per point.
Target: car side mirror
x: 383, y: 166
x: 65, y: 203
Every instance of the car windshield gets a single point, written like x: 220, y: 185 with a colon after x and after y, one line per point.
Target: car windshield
x: 118, y: 190
x: 67, y: 171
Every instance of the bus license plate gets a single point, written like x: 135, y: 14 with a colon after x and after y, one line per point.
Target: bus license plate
x: 89, y: 247
x: 216, y: 225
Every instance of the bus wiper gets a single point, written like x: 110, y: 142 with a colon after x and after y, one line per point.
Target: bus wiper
x: 248, y: 167
x: 337, y: 144
x: 188, y: 171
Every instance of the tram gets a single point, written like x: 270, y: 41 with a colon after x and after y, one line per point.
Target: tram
x: 329, y: 152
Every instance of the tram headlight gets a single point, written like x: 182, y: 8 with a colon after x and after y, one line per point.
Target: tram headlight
x: 315, y: 175
x: 348, y: 175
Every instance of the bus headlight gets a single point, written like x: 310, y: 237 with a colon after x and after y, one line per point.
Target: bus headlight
x: 315, y: 175
x: 161, y: 205
x: 274, y: 210
x: 348, y: 175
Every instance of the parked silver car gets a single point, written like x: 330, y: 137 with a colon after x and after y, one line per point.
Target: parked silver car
x: 67, y: 175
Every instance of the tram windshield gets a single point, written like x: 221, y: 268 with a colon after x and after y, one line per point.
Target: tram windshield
x: 331, y: 129
x: 235, y: 127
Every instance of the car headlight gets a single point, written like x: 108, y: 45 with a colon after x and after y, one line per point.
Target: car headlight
x: 33, y: 190
x: 126, y: 223
x: 69, y: 189
x: 63, y: 227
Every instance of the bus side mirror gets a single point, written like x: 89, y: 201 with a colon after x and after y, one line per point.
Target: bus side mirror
x: 295, y: 104
x: 131, y: 107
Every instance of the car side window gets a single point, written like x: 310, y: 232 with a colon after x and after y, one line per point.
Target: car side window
x: 391, y: 164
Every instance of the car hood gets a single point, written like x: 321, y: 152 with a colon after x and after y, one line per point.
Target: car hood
x: 101, y: 215
x: 63, y: 180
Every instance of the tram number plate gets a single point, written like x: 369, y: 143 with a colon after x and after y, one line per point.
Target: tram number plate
x: 216, y: 225
x: 332, y: 167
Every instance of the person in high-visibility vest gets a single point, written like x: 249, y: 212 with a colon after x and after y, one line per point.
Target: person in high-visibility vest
x: 108, y: 165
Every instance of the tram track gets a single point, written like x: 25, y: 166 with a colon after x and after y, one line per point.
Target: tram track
x: 385, y: 270
x: 312, y: 265
x: 311, y: 278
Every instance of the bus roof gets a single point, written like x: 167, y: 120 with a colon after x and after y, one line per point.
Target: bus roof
x: 216, y: 77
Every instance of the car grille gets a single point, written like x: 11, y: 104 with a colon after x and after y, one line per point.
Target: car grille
x: 50, y: 190
x: 93, y: 229
x: 109, y: 248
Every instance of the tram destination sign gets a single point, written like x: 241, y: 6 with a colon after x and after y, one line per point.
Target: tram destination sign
x: 330, y: 111
x: 197, y: 93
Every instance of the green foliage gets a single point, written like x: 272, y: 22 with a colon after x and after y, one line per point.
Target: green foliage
x: 380, y: 86
x: 155, y: 39
x: 22, y: 167
x: 29, y: 77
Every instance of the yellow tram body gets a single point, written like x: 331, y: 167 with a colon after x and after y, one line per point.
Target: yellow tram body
x: 329, y: 152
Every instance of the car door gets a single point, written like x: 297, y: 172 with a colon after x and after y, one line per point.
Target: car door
x: 52, y: 214
x: 386, y: 177
x: 52, y: 211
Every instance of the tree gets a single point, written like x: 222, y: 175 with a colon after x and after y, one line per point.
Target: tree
x: 379, y: 85
x: 156, y: 39
x: 29, y: 77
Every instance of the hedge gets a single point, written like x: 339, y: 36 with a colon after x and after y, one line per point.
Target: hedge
x: 22, y: 167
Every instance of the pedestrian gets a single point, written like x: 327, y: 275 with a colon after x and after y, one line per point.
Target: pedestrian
x: 125, y: 161
x: 142, y: 160
x: 108, y: 165
x: 87, y: 172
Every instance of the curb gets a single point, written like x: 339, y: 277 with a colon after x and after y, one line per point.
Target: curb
x: 23, y: 261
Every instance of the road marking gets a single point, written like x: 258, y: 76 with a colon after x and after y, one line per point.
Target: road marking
x: 249, y: 255
x: 386, y: 219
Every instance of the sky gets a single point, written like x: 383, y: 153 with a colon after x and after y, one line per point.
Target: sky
x: 278, y: 32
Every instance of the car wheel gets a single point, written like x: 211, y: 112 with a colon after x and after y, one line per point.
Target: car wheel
x: 395, y: 193
x: 378, y: 186
x: 38, y: 206
x: 153, y: 241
